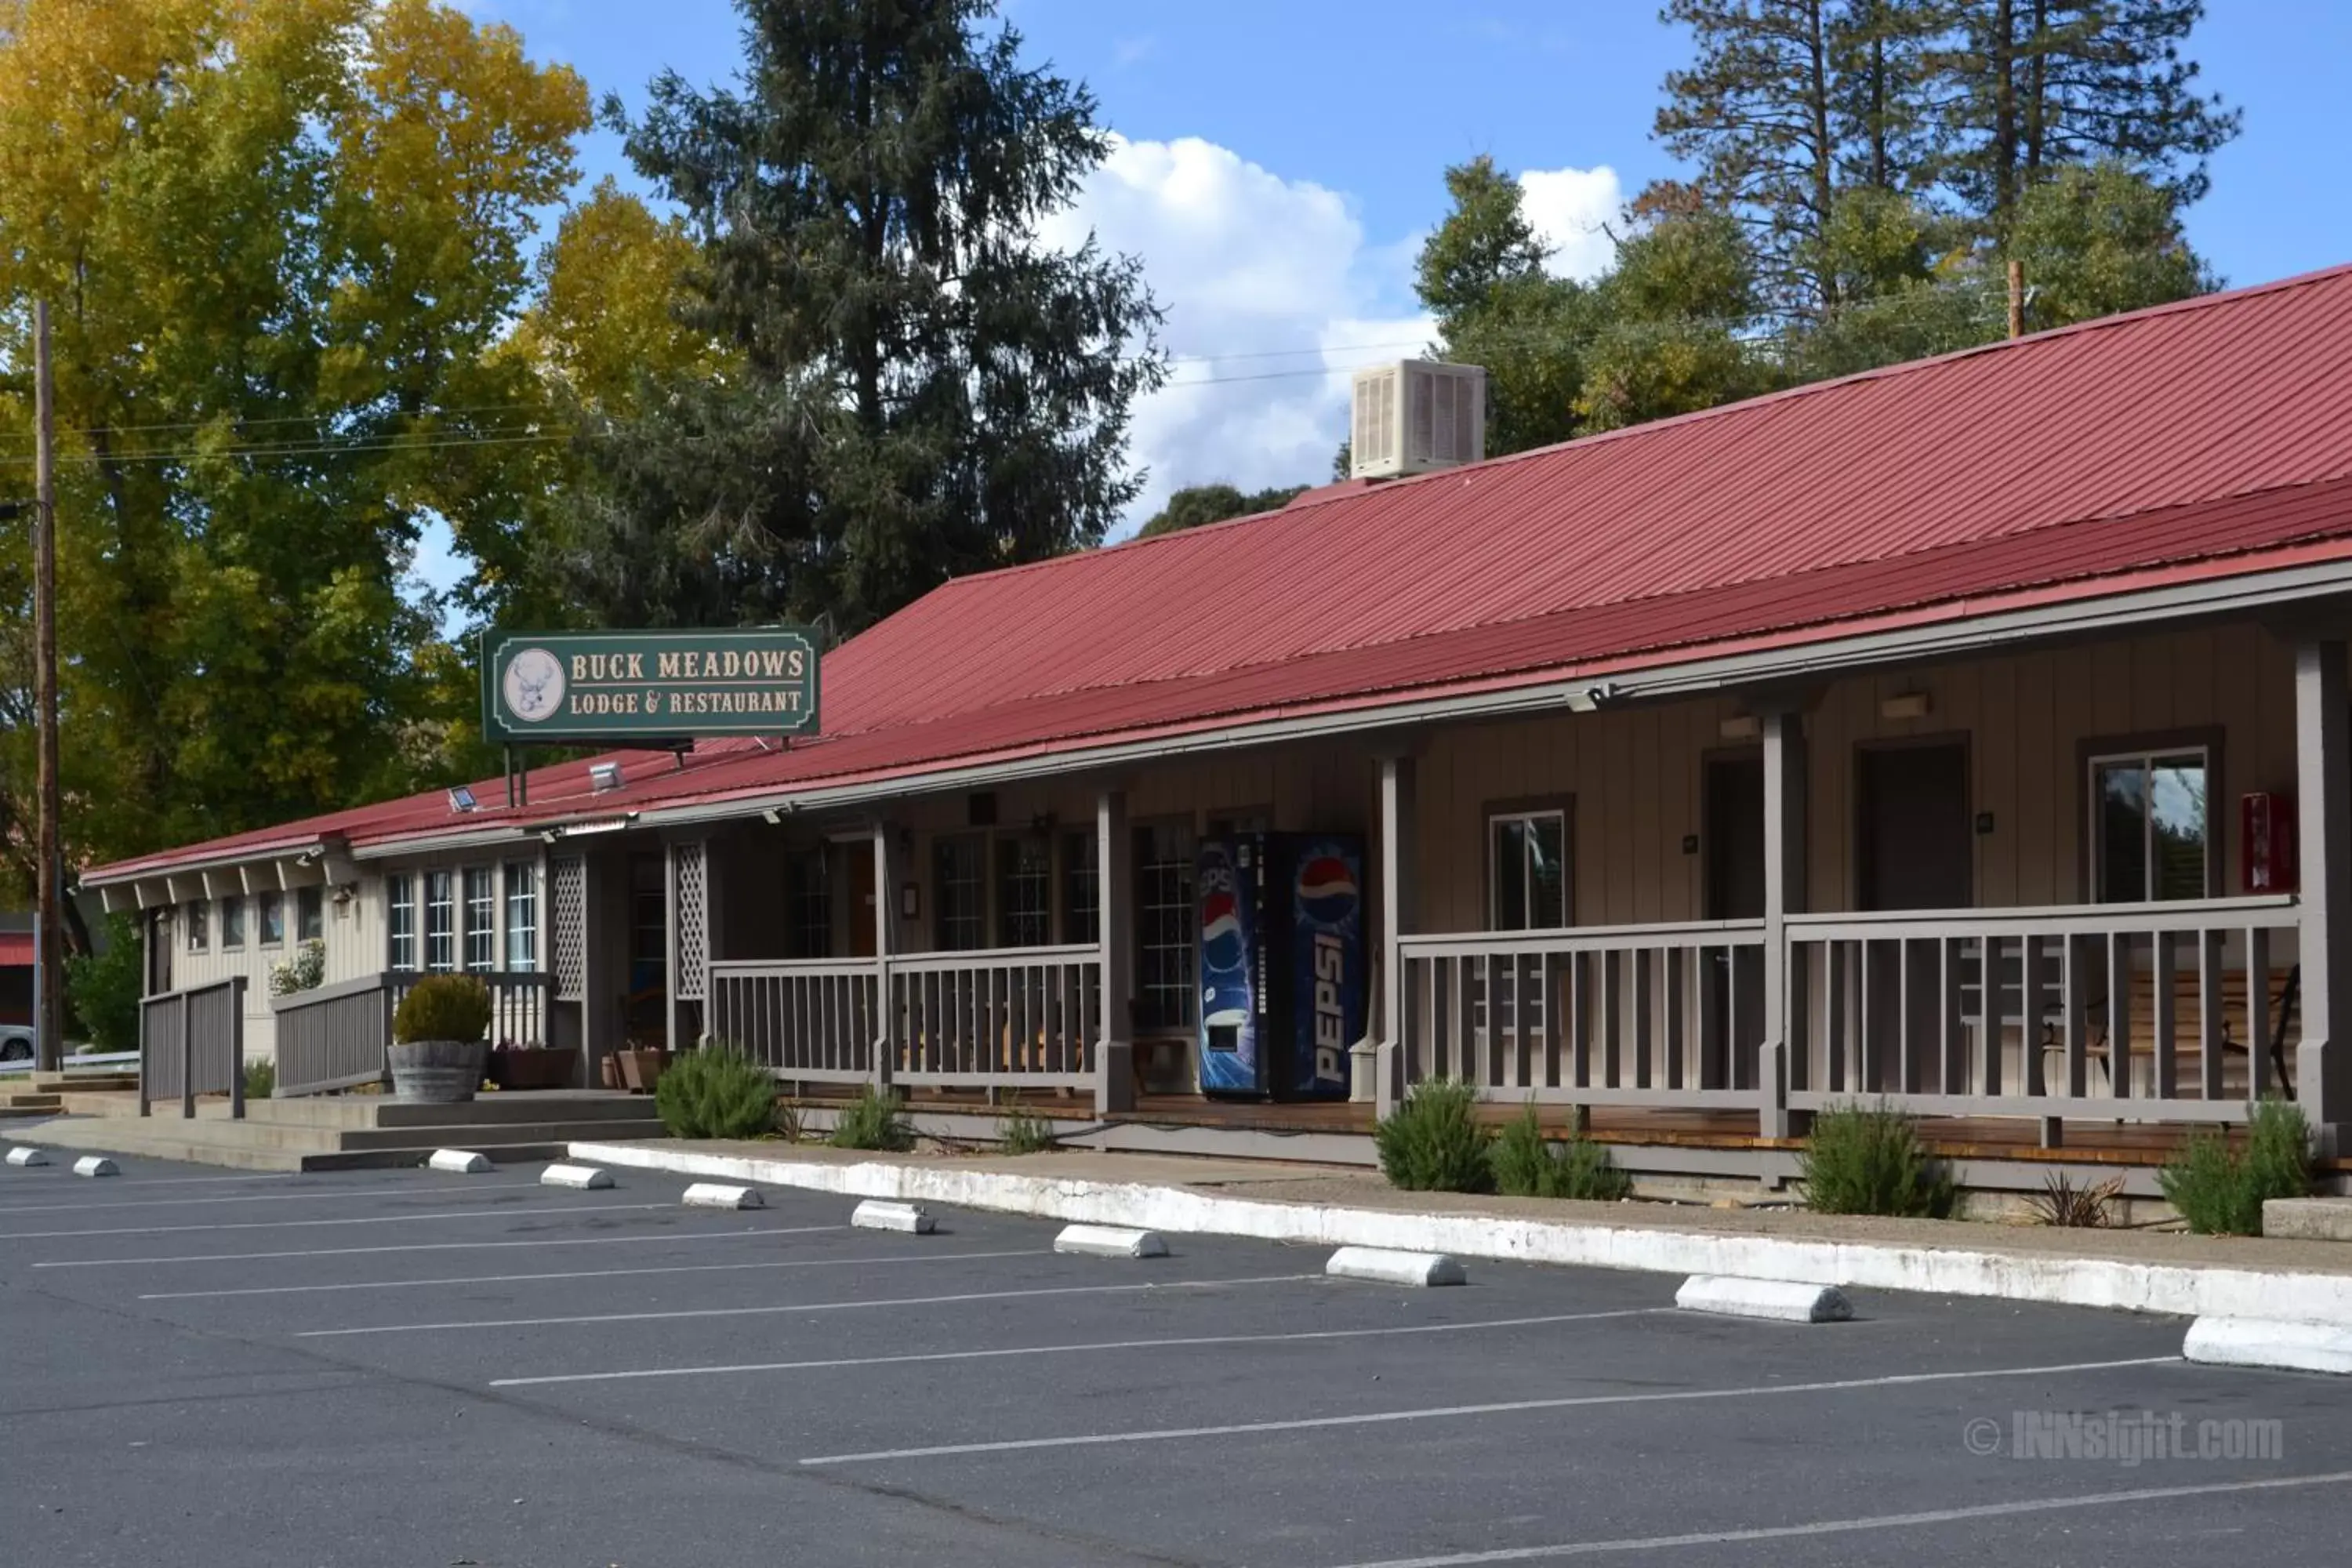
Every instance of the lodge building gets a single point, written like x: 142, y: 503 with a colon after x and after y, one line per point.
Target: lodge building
x: 1971, y: 734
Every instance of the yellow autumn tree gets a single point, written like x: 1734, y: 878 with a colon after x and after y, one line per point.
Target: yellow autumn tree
x: 281, y: 241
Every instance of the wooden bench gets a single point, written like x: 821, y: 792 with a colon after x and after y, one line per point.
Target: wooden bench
x: 2238, y: 1042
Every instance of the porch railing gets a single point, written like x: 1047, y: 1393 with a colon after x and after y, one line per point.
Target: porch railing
x: 1658, y: 1014
x: 334, y: 1036
x: 2176, y: 1011
x: 1003, y: 1017
x: 810, y: 1020
x: 192, y: 1042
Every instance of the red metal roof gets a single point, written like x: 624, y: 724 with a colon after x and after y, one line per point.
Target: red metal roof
x: 15, y: 950
x: 2217, y: 430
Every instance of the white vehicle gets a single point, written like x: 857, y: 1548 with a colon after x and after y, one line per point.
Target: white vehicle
x: 15, y: 1048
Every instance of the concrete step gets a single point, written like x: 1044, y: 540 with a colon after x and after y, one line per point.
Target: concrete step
x: 261, y: 1146
x: 2309, y: 1219
x: 52, y: 1082
x: 378, y: 1110
x: 20, y: 1100
x: 494, y: 1136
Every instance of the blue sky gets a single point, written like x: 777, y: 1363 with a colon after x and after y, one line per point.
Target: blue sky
x: 1282, y: 158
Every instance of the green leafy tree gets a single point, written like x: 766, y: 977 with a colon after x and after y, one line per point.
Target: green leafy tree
x: 925, y: 386
x: 280, y: 242
x: 1197, y: 504
x: 2101, y: 238
x: 104, y: 986
x: 1482, y: 274
x: 1677, y: 313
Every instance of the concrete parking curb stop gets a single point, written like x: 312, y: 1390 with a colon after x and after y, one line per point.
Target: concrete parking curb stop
x: 2177, y: 1289
x: 464, y: 1161
x: 96, y: 1165
x: 21, y: 1157
x: 1383, y: 1265
x: 1110, y: 1241
x: 878, y: 1214
x: 2258, y: 1341
x: 720, y: 1195
x: 581, y: 1178
x: 1781, y: 1300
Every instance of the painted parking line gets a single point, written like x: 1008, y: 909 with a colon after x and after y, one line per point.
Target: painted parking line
x: 812, y: 1306
x: 111, y: 1204
x: 1078, y: 1348
x: 204, y: 1180
x: 438, y: 1246
x: 1505, y: 1408
x: 1850, y: 1526
x: 484, y: 1213
x: 600, y: 1273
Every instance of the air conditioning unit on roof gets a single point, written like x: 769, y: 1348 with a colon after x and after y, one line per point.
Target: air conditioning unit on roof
x: 1415, y: 416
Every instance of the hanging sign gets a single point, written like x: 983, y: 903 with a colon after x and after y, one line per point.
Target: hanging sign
x: 652, y: 686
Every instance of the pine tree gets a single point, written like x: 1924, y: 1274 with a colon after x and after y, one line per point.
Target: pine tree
x: 2026, y: 86
x: 927, y: 388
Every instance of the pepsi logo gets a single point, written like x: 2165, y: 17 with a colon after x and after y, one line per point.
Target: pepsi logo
x: 1221, y: 934
x: 1327, y: 890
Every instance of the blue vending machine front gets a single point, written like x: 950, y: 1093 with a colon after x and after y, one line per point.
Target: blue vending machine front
x: 1233, y: 1007
x: 1323, y: 877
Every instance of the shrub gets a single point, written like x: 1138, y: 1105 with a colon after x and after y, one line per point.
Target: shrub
x: 1527, y: 1164
x: 1433, y: 1143
x: 715, y: 1092
x: 1024, y: 1133
x: 104, y: 987
x: 1867, y: 1160
x: 444, y: 1007
x: 877, y: 1119
x: 303, y: 972
x: 2219, y: 1189
x: 2061, y: 1203
x: 260, y: 1079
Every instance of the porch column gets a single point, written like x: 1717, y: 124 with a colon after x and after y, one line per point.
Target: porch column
x: 2324, y: 792
x: 1398, y: 848
x: 689, y: 947
x: 1784, y: 894
x: 885, y: 942
x: 1115, y: 934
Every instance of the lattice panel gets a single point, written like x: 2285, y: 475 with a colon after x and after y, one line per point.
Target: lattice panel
x: 691, y: 891
x: 567, y: 916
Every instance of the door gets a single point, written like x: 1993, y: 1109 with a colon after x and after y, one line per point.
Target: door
x: 1915, y: 851
x: 861, y: 902
x: 1734, y: 1026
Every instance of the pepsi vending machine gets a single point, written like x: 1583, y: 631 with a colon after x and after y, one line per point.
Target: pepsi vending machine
x: 1282, y: 964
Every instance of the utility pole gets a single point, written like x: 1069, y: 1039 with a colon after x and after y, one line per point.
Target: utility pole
x: 2016, y: 298
x: 49, y: 1026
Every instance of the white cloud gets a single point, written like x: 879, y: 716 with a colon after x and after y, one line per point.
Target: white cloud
x: 1273, y: 295
x: 1567, y: 208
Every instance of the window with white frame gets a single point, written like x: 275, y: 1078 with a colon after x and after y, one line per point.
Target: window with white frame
x: 960, y: 879
x: 1527, y: 868
x: 440, y: 921
x: 2151, y: 827
x: 481, y: 918
x: 200, y: 925
x: 310, y: 914
x: 1167, y: 926
x: 1081, y: 889
x: 269, y: 912
x: 400, y: 921
x: 232, y: 923
x: 1024, y: 890
x: 522, y: 916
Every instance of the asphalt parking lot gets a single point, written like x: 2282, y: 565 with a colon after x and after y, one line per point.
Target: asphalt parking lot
x: 412, y: 1368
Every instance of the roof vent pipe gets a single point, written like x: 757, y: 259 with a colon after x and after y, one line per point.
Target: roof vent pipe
x: 604, y: 776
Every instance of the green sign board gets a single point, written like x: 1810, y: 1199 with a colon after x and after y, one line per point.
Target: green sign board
x: 648, y: 686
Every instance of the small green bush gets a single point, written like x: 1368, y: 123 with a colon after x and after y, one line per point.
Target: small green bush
x: 103, y: 988
x: 1433, y: 1143
x: 444, y: 1007
x: 260, y: 1079
x: 1527, y: 1164
x: 715, y: 1092
x: 874, y: 1120
x: 1867, y: 1160
x: 1024, y: 1134
x: 2219, y: 1189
